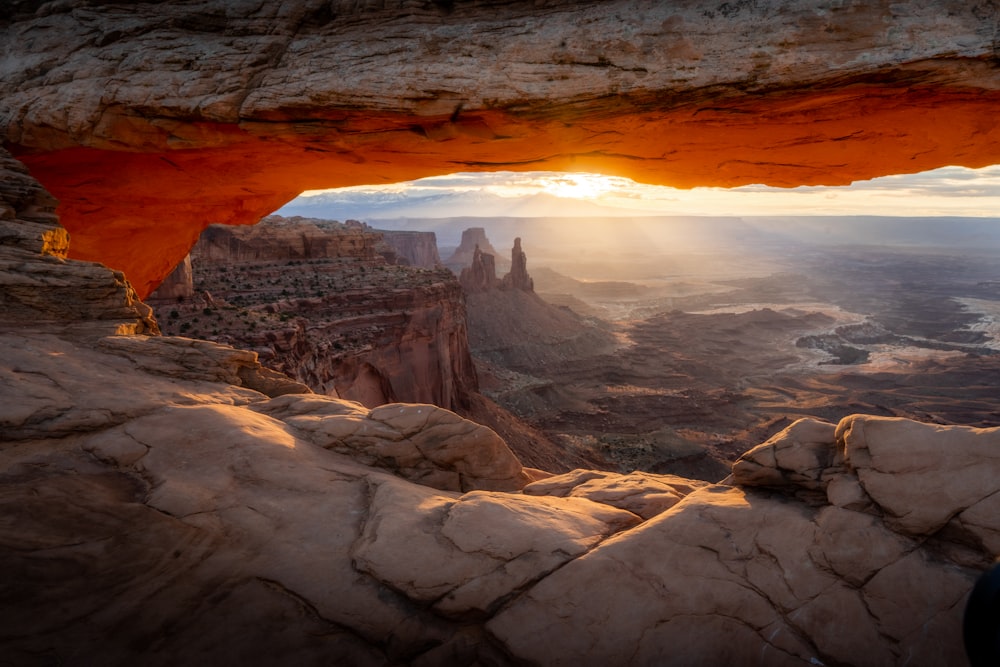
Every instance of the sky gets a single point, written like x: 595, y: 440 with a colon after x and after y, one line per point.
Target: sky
x: 949, y: 191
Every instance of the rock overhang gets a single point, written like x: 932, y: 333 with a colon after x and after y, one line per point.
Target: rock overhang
x: 150, y: 123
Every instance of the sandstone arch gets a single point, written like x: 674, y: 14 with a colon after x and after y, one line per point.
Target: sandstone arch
x: 150, y: 121
x: 156, y: 483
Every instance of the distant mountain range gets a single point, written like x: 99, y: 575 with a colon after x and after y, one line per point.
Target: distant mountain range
x: 369, y: 205
x: 550, y: 221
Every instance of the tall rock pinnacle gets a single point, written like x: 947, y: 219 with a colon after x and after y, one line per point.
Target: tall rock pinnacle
x: 518, y: 277
x: 481, y: 275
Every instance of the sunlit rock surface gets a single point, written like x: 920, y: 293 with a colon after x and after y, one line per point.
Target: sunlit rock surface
x: 218, y: 112
x: 40, y: 287
x: 166, y: 503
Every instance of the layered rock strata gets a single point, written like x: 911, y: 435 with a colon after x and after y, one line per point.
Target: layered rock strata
x: 318, y: 301
x: 414, y: 248
x: 277, y: 238
x: 345, y: 322
x: 42, y: 289
x: 401, y: 338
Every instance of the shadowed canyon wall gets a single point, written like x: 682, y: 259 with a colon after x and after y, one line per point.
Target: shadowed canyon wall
x: 150, y: 121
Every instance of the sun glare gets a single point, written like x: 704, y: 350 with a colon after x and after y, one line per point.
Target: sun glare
x: 946, y: 191
x: 580, y: 185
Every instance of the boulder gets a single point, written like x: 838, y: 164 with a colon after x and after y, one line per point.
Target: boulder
x: 422, y: 443
x: 797, y: 456
x: 642, y: 493
x: 911, y: 470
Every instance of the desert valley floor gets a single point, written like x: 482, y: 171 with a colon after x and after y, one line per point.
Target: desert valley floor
x: 704, y: 367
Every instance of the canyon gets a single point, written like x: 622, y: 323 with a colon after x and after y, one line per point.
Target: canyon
x: 695, y: 352
x: 328, y: 304
x: 339, y: 308
x: 169, y: 499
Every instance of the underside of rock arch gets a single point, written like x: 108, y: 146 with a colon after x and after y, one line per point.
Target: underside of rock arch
x: 149, y: 121
x: 168, y: 500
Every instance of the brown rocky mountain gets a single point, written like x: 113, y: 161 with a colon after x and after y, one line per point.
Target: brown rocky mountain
x: 477, y: 271
x: 416, y: 248
x: 166, y: 500
x: 511, y: 327
x: 480, y: 274
x: 518, y: 277
x: 293, y: 238
x: 473, y: 239
x: 319, y: 301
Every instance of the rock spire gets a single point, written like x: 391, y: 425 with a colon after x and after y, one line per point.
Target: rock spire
x: 518, y: 277
x: 481, y: 274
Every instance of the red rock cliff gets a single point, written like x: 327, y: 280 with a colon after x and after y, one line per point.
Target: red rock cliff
x: 317, y: 300
x: 415, y: 248
x: 481, y: 274
x: 278, y: 238
x: 414, y: 345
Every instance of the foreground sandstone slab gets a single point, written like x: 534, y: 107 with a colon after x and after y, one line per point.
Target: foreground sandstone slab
x: 193, y: 510
x: 423, y: 443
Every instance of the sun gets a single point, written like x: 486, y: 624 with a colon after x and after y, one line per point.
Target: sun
x: 578, y: 185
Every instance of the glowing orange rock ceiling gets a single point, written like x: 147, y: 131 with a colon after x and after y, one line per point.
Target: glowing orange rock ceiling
x: 149, y: 123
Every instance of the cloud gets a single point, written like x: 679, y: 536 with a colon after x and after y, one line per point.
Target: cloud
x: 949, y: 190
